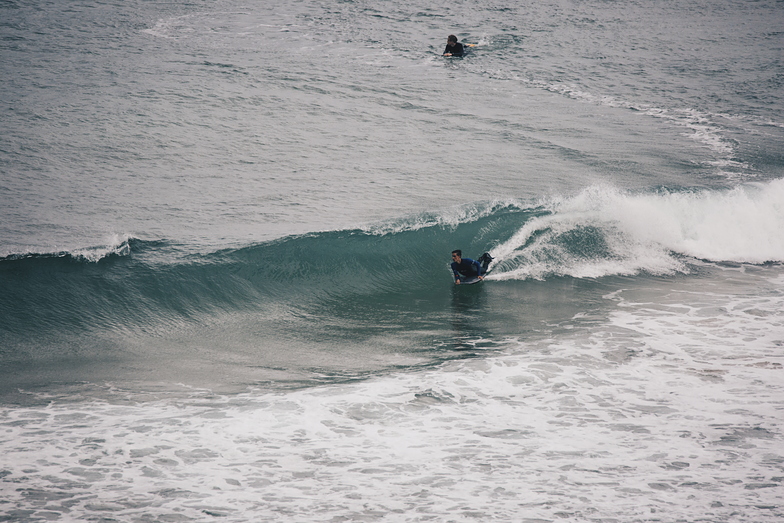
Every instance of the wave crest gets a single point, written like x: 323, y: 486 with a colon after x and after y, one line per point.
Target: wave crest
x: 604, y: 231
x: 116, y: 246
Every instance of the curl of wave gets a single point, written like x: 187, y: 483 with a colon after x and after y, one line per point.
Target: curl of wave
x: 599, y: 232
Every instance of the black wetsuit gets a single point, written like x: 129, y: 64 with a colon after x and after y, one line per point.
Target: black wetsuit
x: 467, y: 268
x: 456, y: 50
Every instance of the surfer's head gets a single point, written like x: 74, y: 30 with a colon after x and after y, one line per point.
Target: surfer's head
x: 457, y: 255
x: 451, y: 39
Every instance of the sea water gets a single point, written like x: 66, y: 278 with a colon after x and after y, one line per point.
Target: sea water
x: 224, y: 246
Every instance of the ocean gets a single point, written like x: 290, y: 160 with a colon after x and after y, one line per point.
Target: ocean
x: 225, y: 236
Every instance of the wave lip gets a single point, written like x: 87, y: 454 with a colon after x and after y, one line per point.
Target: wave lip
x: 116, y: 245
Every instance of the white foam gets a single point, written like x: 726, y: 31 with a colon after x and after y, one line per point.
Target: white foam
x: 671, y: 409
x: 647, y: 232
x: 744, y: 224
x: 172, y: 28
x: 116, y: 244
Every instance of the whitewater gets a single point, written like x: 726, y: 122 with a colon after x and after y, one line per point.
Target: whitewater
x: 225, y: 291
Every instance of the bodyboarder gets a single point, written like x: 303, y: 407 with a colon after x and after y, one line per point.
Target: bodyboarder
x: 453, y: 47
x: 466, y: 268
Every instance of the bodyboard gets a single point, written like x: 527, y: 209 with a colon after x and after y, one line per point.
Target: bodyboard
x: 485, y: 260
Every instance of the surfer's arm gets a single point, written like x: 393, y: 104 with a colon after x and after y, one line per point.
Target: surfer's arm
x: 478, y: 270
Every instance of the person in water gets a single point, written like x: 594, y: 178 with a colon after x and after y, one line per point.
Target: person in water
x: 453, y: 47
x: 465, y: 268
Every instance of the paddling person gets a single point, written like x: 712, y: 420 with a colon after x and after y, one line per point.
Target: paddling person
x: 465, y: 268
x: 453, y: 47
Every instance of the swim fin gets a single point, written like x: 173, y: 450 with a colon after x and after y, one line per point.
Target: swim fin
x: 484, y: 261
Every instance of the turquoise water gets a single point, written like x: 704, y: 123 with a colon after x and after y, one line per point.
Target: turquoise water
x: 224, y: 249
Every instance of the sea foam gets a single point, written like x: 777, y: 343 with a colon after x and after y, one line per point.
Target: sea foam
x: 669, y: 407
x: 647, y: 232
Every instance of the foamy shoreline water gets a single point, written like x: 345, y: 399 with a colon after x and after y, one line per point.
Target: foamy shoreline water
x: 644, y: 418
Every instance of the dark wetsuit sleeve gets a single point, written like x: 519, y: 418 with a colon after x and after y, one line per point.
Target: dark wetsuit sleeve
x: 465, y: 268
x: 457, y: 50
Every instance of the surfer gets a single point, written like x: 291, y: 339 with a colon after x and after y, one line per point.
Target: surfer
x: 453, y: 47
x: 466, y: 268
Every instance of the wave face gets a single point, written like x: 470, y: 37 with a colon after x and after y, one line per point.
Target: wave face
x: 139, y: 285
